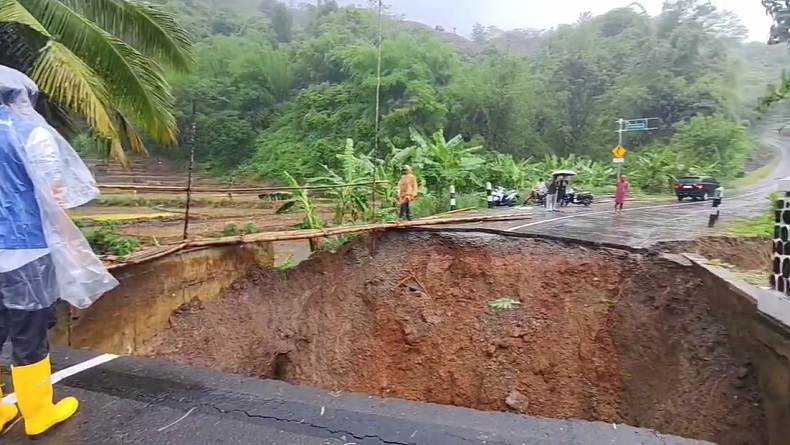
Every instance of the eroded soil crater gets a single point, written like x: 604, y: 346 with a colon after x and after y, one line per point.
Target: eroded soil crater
x: 592, y: 334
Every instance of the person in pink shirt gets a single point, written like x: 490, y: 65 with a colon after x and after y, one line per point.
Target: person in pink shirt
x: 620, y: 194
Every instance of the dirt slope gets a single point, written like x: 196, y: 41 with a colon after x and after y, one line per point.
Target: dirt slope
x: 594, y: 334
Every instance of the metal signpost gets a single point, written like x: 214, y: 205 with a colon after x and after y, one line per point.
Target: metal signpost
x: 625, y: 126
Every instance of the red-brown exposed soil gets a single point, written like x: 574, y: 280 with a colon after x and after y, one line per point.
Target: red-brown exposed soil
x: 595, y: 334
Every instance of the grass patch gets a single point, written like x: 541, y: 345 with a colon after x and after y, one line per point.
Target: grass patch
x: 762, y: 227
x: 755, y: 176
x: 177, y: 203
x: 233, y: 230
x: 428, y: 205
x: 105, y: 240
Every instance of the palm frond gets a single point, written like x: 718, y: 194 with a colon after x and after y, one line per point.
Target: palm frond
x: 58, y: 72
x: 72, y: 84
x: 19, y: 47
x: 136, y: 83
x: 58, y: 116
x: 12, y: 11
x: 132, y: 138
x: 146, y: 27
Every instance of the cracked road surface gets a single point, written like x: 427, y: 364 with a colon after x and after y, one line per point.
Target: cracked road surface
x: 137, y: 401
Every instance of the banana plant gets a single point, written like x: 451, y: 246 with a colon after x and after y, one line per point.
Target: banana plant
x: 443, y: 163
x: 301, y: 200
x: 506, y: 171
x: 350, y: 189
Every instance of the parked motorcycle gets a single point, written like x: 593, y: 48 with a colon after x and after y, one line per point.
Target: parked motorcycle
x: 537, y: 197
x: 580, y: 198
x: 504, y: 198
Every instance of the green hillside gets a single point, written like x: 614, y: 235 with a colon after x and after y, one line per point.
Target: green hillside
x: 279, y: 88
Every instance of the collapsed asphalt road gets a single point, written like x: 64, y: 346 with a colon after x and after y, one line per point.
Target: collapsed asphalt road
x: 136, y: 401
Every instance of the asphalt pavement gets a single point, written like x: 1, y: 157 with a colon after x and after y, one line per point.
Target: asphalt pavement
x: 130, y: 400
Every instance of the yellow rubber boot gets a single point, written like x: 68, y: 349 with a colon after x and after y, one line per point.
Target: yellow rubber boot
x: 7, y: 413
x: 33, y: 387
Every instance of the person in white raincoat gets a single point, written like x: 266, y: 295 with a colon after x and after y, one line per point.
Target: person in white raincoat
x: 43, y: 256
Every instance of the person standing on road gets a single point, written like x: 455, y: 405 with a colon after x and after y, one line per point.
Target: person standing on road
x: 551, y: 195
x: 43, y: 256
x: 620, y: 193
x: 562, y: 188
x: 407, y: 192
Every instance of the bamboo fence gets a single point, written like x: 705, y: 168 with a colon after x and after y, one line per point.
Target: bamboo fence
x: 189, y: 190
x: 146, y: 256
x: 225, y: 190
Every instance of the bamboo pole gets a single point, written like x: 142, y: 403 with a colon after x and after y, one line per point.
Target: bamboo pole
x: 293, y: 235
x: 165, y: 188
x: 451, y: 212
x: 191, y: 167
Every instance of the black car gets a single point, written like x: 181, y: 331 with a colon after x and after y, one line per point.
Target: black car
x: 696, y: 187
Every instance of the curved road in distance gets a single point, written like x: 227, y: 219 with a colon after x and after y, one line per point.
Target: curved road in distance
x: 643, y: 224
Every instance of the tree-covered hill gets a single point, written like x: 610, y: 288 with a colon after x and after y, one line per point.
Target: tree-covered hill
x: 280, y: 87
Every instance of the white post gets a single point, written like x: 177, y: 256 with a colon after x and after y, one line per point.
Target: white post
x: 452, y: 197
x: 490, y: 195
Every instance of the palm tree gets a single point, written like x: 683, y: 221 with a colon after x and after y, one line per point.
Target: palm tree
x: 99, y: 60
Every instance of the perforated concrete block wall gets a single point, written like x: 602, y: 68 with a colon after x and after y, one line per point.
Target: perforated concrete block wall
x: 780, y: 273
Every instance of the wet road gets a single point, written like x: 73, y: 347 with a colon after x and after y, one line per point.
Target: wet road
x: 643, y: 224
x: 136, y: 401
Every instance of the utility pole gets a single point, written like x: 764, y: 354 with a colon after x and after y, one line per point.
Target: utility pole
x: 625, y: 126
x: 619, y: 159
x: 378, y: 117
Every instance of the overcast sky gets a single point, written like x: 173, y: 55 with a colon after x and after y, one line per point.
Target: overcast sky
x: 509, y: 14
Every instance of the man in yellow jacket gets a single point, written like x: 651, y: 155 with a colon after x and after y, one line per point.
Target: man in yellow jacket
x: 407, y: 192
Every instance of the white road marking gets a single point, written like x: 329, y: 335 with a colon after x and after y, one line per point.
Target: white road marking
x: 176, y: 421
x: 68, y: 372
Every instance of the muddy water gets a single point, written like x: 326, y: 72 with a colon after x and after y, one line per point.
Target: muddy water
x: 591, y: 334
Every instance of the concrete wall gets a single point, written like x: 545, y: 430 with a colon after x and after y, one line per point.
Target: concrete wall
x: 125, y: 318
x: 780, y: 272
x: 758, y: 322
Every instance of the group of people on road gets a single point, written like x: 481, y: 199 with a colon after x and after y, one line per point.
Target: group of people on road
x: 557, y: 188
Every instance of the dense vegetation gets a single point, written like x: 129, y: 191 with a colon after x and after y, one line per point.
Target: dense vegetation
x: 280, y: 89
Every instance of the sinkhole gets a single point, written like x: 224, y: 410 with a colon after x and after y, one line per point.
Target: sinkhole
x: 492, y: 323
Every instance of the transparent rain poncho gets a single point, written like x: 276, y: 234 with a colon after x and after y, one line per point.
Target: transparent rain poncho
x: 34, y: 155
